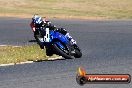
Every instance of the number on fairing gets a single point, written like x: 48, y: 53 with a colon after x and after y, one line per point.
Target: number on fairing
x: 46, y: 37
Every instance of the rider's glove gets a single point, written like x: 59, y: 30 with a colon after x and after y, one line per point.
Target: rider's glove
x: 62, y: 30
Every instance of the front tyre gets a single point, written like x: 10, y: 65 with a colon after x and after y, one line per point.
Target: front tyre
x: 78, y: 53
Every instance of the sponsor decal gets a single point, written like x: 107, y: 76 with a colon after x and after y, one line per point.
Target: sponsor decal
x: 83, y: 78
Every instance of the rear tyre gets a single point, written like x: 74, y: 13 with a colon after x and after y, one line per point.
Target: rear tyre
x: 61, y: 52
x: 49, y: 52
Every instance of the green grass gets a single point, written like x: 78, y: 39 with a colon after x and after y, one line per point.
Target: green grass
x: 69, y: 8
x: 12, y: 54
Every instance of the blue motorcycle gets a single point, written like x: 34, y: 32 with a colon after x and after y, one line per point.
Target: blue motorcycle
x: 57, y: 43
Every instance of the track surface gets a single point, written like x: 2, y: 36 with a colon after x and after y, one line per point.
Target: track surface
x: 106, y: 46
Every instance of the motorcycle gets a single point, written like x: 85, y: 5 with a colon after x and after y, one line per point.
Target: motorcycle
x: 57, y: 43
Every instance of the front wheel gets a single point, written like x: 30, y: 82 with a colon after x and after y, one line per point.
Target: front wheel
x: 78, y: 53
x: 62, y: 52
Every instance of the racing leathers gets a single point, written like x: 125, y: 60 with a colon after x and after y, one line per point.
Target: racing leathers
x: 41, y: 27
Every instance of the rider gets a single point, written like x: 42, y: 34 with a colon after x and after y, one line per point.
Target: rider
x: 38, y: 23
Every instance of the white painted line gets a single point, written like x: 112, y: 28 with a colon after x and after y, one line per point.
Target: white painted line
x: 10, y: 45
x: 57, y: 58
x: 3, y: 45
x: 27, y: 62
x: 7, y: 64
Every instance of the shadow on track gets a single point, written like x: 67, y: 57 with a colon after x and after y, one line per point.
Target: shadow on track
x: 32, y: 41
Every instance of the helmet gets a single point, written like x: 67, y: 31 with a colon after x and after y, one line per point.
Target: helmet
x: 37, y: 19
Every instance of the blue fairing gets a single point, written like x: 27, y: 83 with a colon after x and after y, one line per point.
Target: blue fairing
x: 59, y: 36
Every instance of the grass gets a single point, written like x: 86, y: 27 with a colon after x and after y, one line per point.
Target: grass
x: 69, y: 8
x: 13, y: 54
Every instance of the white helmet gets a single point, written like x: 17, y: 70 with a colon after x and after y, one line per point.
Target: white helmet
x: 37, y: 19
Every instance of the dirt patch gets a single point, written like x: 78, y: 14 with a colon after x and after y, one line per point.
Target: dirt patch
x: 55, y: 16
x: 82, y: 9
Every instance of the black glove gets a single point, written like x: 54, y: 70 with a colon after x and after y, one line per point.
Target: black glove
x: 62, y: 30
x: 51, y: 27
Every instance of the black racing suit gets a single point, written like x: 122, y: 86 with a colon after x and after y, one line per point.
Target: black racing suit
x: 41, y: 27
x: 53, y: 27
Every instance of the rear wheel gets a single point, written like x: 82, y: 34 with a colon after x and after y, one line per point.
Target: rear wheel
x: 64, y: 52
x: 49, y: 52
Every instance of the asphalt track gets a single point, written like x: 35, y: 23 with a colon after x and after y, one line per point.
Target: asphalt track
x: 106, y: 47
